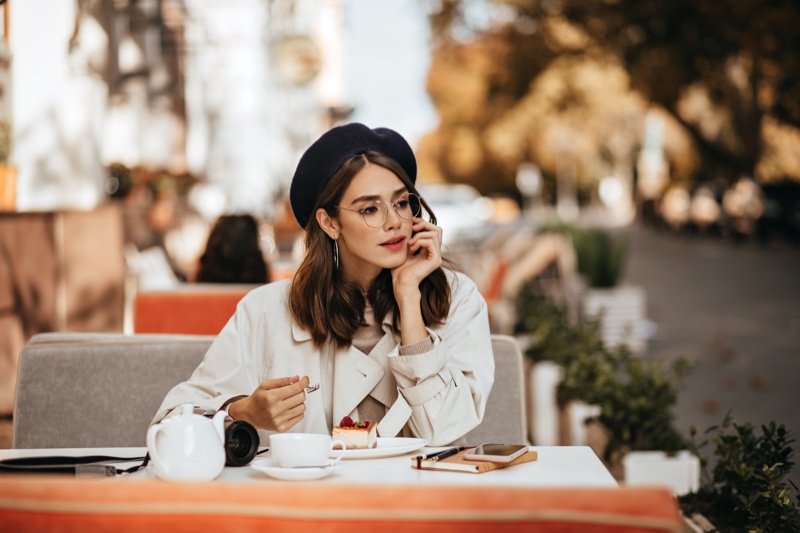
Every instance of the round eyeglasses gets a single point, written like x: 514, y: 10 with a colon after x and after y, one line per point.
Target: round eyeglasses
x: 375, y: 212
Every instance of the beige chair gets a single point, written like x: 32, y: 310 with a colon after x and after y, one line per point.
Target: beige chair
x: 97, y: 389
x: 504, y: 420
x: 102, y: 389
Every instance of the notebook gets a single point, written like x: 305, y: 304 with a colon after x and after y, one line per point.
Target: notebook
x: 457, y: 463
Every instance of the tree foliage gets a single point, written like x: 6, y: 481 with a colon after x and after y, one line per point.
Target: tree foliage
x: 728, y: 71
x: 744, y: 55
x: 471, y: 86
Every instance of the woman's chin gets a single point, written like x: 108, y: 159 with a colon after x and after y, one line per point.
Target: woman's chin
x: 394, y: 263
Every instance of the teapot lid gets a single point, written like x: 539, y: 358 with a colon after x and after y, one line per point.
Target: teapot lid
x: 187, y: 413
x: 183, y: 413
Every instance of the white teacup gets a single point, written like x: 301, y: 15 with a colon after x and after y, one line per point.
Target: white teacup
x: 290, y: 450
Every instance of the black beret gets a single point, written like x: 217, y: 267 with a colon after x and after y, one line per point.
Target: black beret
x: 328, y: 153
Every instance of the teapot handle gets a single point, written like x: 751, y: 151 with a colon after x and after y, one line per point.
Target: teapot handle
x: 153, y: 449
x: 219, y: 424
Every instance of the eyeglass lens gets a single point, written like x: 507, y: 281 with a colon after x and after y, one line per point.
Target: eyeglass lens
x: 375, y: 212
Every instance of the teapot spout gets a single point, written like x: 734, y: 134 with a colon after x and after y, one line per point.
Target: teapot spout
x: 219, y: 424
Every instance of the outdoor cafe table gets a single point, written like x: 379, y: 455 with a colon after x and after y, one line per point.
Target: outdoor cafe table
x: 567, y: 489
x: 565, y: 466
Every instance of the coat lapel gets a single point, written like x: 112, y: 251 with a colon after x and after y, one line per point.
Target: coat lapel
x: 386, y: 390
x: 355, y: 376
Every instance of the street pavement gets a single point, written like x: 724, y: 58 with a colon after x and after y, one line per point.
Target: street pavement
x: 733, y: 309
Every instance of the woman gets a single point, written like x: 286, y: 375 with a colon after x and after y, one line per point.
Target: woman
x: 371, y: 315
x: 233, y: 253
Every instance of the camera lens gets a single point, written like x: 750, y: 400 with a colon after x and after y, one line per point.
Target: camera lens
x: 241, y: 442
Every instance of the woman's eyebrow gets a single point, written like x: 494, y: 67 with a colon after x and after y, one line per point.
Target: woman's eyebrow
x: 369, y: 198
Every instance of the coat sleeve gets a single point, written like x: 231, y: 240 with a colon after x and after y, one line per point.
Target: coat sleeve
x: 229, y: 368
x: 447, y: 387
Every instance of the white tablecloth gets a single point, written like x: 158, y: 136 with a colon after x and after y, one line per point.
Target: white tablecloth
x: 556, y: 466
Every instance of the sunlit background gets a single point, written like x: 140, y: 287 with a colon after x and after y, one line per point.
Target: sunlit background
x: 127, y: 127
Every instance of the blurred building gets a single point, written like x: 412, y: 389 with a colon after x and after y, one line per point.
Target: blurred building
x: 230, y: 91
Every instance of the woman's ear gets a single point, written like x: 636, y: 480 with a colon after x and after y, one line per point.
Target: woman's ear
x: 328, y: 224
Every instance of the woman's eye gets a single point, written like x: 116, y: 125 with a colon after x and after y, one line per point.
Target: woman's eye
x: 369, y: 210
x: 402, y: 204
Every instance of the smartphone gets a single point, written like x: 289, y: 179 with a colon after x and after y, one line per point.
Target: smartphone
x: 501, y: 453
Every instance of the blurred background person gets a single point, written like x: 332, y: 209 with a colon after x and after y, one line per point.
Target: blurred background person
x: 743, y: 204
x: 675, y: 208
x: 233, y: 252
x: 704, y: 210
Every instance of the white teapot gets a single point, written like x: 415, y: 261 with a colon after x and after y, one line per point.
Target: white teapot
x: 187, y: 446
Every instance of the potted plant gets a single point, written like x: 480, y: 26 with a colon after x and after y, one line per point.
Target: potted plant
x: 600, y: 253
x: 550, y: 341
x: 8, y: 173
x: 747, y: 489
x: 634, y: 396
x: 601, y: 256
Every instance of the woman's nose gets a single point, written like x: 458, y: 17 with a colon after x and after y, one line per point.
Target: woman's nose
x: 392, y: 217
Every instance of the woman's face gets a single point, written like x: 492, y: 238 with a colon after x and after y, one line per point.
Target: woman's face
x: 365, y: 251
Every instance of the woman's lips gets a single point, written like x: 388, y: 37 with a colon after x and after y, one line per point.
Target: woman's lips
x: 394, y: 244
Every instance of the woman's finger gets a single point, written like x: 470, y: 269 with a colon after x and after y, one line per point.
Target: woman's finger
x: 426, y: 229
x: 275, y: 383
x: 282, y: 388
x: 288, y: 419
x: 423, y: 225
x: 429, y: 241
x: 430, y: 234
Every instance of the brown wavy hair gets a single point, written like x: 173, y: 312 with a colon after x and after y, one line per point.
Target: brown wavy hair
x: 233, y: 253
x: 332, y: 308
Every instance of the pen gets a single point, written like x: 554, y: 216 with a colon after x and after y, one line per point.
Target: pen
x: 436, y: 456
x: 447, y: 453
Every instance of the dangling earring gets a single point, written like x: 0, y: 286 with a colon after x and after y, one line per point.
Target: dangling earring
x: 336, y: 253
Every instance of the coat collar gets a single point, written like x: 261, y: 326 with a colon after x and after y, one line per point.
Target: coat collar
x: 300, y: 334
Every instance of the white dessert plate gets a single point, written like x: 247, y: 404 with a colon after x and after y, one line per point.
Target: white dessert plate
x: 267, y: 466
x: 387, y: 447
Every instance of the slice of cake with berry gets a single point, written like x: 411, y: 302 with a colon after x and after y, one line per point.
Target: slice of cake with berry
x: 359, y: 435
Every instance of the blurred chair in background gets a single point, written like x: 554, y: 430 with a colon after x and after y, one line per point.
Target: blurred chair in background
x: 190, y: 308
x: 520, y: 258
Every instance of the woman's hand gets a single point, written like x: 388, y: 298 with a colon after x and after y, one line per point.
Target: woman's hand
x: 275, y: 405
x: 424, y: 256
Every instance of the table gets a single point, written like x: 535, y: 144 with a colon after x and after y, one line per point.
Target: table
x: 557, y: 466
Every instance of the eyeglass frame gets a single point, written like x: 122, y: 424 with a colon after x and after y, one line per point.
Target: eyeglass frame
x: 393, y: 205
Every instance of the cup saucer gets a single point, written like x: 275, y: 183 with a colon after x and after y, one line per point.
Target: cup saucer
x: 268, y: 466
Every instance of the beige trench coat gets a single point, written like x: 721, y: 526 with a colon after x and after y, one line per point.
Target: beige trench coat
x: 439, y: 395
